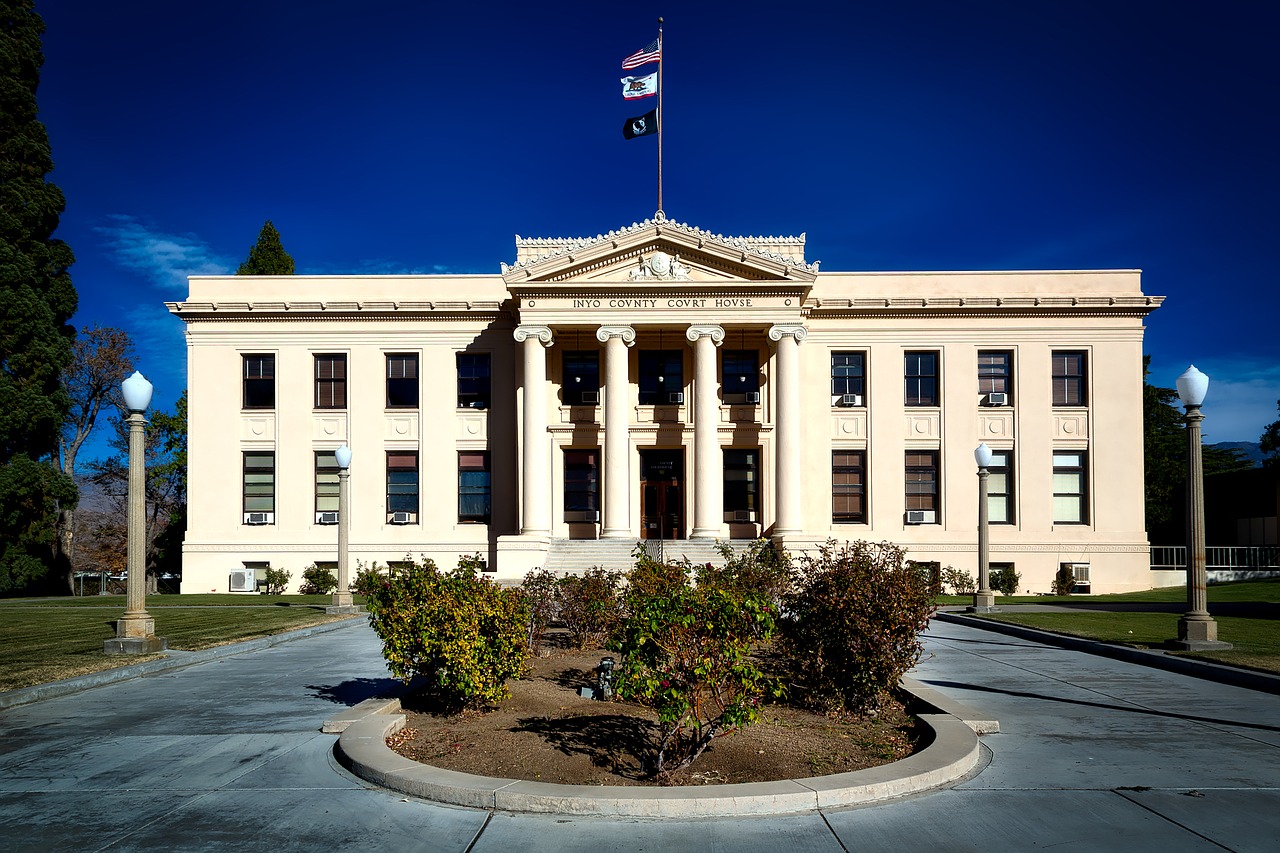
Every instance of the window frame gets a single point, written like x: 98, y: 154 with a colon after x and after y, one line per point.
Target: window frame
x: 656, y: 377
x: 399, y: 490
x: 746, y: 370
x: 1081, y: 496
x: 924, y: 473
x: 326, y: 489
x: 469, y: 370
x: 579, y: 375
x: 403, y: 386
x: 251, y: 385
x: 483, y: 488
x: 848, y: 378
x: 741, y: 481
x: 997, y: 378
x: 1069, y: 382
x: 848, y: 490
x: 581, y: 493
x: 245, y: 494
x: 1007, y: 494
x: 331, y: 390
x: 916, y: 374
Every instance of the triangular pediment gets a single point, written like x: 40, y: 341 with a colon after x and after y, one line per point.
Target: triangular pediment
x: 658, y: 252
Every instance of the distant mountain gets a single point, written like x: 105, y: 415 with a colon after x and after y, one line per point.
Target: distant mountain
x: 1250, y: 450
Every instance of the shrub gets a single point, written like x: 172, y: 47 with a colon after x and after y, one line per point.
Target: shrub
x: 590, y: 606
x: 853, y: 623
x: 366, y: 578
x: 1005, y: 579
x: 958, y: 581
x: 539, y: 588
x: 277, y: 580
x: 760, y: 568
x: 317, y: 580
x: 686, y: 652
x: 1064, y: 581
x: 460, y: 631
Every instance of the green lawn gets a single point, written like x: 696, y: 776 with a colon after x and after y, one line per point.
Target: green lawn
x: 50, y: 639
x: 1260, y: 590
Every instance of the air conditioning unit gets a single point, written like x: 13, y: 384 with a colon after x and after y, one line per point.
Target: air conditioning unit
x: 744, y: 515
x: 326, y: 518
x: 259, y: 517
x: 752, y: 397
x: 920, y: 516
x: 477, y: 404
x: 675, y: 397
x: 243, y: 580
x: 996, y: 398
x: 1080, y: 571
x: 402, y: 518
x: 850, y: 400
x: 582, y: 516
x: 590, y: 398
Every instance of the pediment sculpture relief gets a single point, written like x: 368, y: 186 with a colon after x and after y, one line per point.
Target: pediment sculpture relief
x: 660, y: 267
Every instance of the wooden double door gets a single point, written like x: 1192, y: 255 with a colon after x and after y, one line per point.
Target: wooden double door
x: 662, y: 494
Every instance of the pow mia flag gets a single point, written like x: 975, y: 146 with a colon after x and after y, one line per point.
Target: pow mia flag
x: 641, y: 125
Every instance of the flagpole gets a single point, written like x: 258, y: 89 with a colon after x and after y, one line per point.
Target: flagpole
x: 662, y: 84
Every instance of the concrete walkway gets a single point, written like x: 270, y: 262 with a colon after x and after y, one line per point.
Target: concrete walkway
x: 1093, y: 754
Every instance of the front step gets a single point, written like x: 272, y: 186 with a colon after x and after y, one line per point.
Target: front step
x: 574, y: 556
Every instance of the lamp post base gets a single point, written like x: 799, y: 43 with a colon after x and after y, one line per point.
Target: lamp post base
x: 342, y: 605
x: 983, y: 602
x: 1198, y: 634
x: 134, y: 645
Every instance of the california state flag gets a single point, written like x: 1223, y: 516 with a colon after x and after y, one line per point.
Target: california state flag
x: 634, y: 88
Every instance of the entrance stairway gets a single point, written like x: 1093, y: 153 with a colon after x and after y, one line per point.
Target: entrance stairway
x: 573, y: 556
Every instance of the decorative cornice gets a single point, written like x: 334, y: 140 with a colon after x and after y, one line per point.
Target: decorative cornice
x: 788, y: 330
x: 716, y: 333
x: 628, y: 334
x: 541, y: 333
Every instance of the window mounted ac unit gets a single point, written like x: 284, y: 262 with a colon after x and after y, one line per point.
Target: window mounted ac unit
x: 590, y: 398
x: 744, y: 515
x: 675, y: 397
x: 476, y: 404
x: 1080, y: 571
x: 752, y: 397
x: 242, y: 580
x: 850, y: 399
x: 326, y: 518
x: 920, y: 516
x: 582, y: 516
x: 997, y: 398
x: 259, y: 517
x: 401, y: 518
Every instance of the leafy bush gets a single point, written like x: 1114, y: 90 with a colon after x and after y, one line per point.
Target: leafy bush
x: 686, y: 652
x: 853, y: 623
x: 277, y: 580
x: 958, y: 581
x: 366, y: 578
x: 539, y: 588
x: 760, y: 568
x: 1005, y: 579
x: 317, y: 580
x: 590, y: 606
x: 1064, y: 581
x: 460, y: 631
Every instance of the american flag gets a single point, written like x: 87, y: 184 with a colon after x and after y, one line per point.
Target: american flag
x: 649, y: 53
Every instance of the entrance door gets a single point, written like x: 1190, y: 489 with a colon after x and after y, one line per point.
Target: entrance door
x: 661, y: 494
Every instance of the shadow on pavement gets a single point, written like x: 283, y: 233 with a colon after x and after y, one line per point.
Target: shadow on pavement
x: 356, y: 690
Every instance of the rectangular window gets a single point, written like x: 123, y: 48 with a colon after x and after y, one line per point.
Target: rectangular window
x: 473, y: 486
x: 741, y: 372
x: 259, y: 479
x: 326, y: 487
x: 1000, y: 488
x: 995, y: 376
x: 849, y: 486
x: 581, y: 485
x: 259, y: 381
x: 1069, y: 487
x: 581, y: 378
x: 741, y: 484
x: 661, y: 376
x: 331, y: 381
x: 402, y: 486
x: 402, y: 381
x: 922, y: 378
x: 847, y: 377
x: 922, y: 482
x: 1069, y: 379
x: 473, y: 380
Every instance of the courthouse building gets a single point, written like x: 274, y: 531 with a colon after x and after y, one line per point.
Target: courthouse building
x: 662, y: 382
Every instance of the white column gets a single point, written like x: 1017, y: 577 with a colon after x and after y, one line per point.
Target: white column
x: 617, y: 450
x: 535, y: 505
x: 787, y: 420
x: 708, y: 462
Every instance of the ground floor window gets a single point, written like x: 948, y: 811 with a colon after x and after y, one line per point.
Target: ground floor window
x: 1069, y: 504
x: 741, y: 484
x: 474, y: 488
x: 402, y: 487
x: 259, y: 487
x: 581, y: 485
x: 1000, y: 487
x: 848, y: 487
x: 922, y: 486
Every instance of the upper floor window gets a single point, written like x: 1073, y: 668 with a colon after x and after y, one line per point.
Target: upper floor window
x: 331, y: 381
x: 921, y: 374
x: 741, y: 372
x: 1070, y: 498
x: 259, y: 381
x: 741, y: 484
x: 1069, y: 379
x: 581, y: 378
x: 473, y: 486
x: 847, y: 376
x: 1000, y: 488
x: 995, y: 377
x: 473, y: 380
x: 402, y: 381
x: 848, y: 486
x: 661, y: 377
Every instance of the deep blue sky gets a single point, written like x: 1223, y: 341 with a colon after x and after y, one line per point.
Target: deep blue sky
x: 390, y: 136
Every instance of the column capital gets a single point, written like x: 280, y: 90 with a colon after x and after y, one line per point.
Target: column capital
x: 716, y: 333
x: 788, y: 330
x: 626, y: 333
x: 542, y: 333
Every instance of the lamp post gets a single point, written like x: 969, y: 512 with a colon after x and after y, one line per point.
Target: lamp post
x: 342, y: 602
x: 1197, y: 630
x: 984, y: 599
x: 136, y: 630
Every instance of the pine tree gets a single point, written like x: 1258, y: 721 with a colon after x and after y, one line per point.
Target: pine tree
x: 267, y: 256
x: 38, y: 299
x: 1270, y: 442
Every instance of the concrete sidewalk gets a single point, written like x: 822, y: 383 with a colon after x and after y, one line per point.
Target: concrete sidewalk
x: 1093, y: 754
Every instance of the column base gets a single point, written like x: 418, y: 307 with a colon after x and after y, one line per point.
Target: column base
x: 342, y: 599
x: 1198, y: 633
x: 706, y: 533
x: 983, y: 603
x: 134, y: 645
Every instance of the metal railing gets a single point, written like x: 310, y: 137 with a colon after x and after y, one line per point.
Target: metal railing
x: 653, y: 549
x: 1219, y: 557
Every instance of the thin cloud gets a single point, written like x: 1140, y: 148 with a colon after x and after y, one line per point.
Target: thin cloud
x: 1242, y: 397
x: 165, y: 259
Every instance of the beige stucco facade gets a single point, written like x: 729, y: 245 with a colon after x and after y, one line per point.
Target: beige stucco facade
x: 544, y: 467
